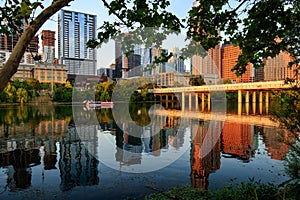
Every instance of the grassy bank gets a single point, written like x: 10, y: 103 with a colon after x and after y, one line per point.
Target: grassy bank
x: 252, y: 190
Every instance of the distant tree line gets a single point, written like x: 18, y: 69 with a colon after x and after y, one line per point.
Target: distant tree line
x: 20, y: 92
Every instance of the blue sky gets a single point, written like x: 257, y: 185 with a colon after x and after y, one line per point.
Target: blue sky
x: 178, y: 7
x: 106, y: 54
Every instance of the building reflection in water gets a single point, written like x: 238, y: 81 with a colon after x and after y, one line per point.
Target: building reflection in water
x: 277, y: 141
x: 238, y: 140
x: 201, y: 166
x: 78, y: 165
x: 134, y: 140
x: 20, y: 147
x: 18, y: 164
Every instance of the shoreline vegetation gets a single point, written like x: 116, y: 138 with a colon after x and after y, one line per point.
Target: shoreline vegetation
x: 31, y: 91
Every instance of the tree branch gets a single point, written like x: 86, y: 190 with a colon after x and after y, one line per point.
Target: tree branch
x: 239, y: 6
x: 115, y: 13
x: 12, y: 64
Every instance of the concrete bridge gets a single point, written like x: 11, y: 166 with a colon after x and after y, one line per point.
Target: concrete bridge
x: 168, y: 94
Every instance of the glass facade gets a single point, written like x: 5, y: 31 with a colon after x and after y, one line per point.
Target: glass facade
x: 75, y: 29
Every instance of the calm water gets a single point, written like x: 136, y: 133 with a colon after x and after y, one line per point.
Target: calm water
x: 65, y: 152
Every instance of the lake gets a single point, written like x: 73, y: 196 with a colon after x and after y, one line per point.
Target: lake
x: 68, y: 152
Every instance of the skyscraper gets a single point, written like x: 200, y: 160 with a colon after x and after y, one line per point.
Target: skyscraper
x: 48, y: 46
x: 7, y: 44
x: 230, y: 56
x: 277, y: 68
x: 74, y: 30
x: 210, y: 65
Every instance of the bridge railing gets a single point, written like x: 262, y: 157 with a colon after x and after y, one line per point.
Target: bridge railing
x: 272, y: 85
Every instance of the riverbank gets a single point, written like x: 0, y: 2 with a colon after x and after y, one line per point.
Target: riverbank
x: 252, y: 190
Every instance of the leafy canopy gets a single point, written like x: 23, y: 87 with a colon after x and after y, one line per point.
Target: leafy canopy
x: 262, y: 28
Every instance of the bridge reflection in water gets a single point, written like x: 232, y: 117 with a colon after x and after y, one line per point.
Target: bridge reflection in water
x: 74, y: 150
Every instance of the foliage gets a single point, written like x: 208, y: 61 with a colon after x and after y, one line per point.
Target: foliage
x: 287, y: 113
x: 22, y: 95
x: 20, y: 92
x: 135, y: 15
x: 124, y: 89
x: 62, y: 94
x: 33, y: 84
x: 226, y: 81
x: 292, y: 166
x: 68, y: 85
x: 10, y: 92
x: 21, y: 10
x: 287, y: 109
x: 260, y: 28
x: 197, y: 81
x: 251, y: 190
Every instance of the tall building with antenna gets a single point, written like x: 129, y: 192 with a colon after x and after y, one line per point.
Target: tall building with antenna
x: 75, y: 29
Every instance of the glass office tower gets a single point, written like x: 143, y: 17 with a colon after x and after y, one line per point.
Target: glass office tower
x: 74, y: 30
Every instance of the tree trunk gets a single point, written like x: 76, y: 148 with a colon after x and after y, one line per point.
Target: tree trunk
x: 12, y: 64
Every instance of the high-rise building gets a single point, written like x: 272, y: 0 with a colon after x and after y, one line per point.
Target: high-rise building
x: 7, y: 44
x: 48, y: 46
x: 127, y: 66
x: 209, y: 66
x: 277, y: 68
x: 74, y: 31
x: 230, y: 56
x: 175, y: 63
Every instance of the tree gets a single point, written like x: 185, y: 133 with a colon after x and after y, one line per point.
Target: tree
x: 10, y: 91
x: 197, y: 81
x: 22, y: 95
x: 261, y: 28
x: 20, y: 12
x: 68, y: 85
x: 33, y: 84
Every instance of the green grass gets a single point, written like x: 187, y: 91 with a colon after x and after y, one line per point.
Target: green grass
x: 248, y: 191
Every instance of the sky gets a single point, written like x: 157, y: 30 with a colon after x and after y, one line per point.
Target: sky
x: 105, y: 54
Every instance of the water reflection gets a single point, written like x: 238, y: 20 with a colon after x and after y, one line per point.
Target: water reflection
x: 201, y: 167
x: 46, y: 137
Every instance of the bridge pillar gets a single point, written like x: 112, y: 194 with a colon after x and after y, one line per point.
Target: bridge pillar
x: 208, y: 101
x: 247, y: 97
x: 260, y: 97
x: 254, y: 97
x: 240, y: 101
x: 247, y: 108
x: 190, y: 101
x: 182, y: 101
x: 196, y: 101
x: 167, y: 101
x: 267, y: 102
x: 260, y: 102
x: 260, y: 108
x: 253, y: 108
x: 254, y: 102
